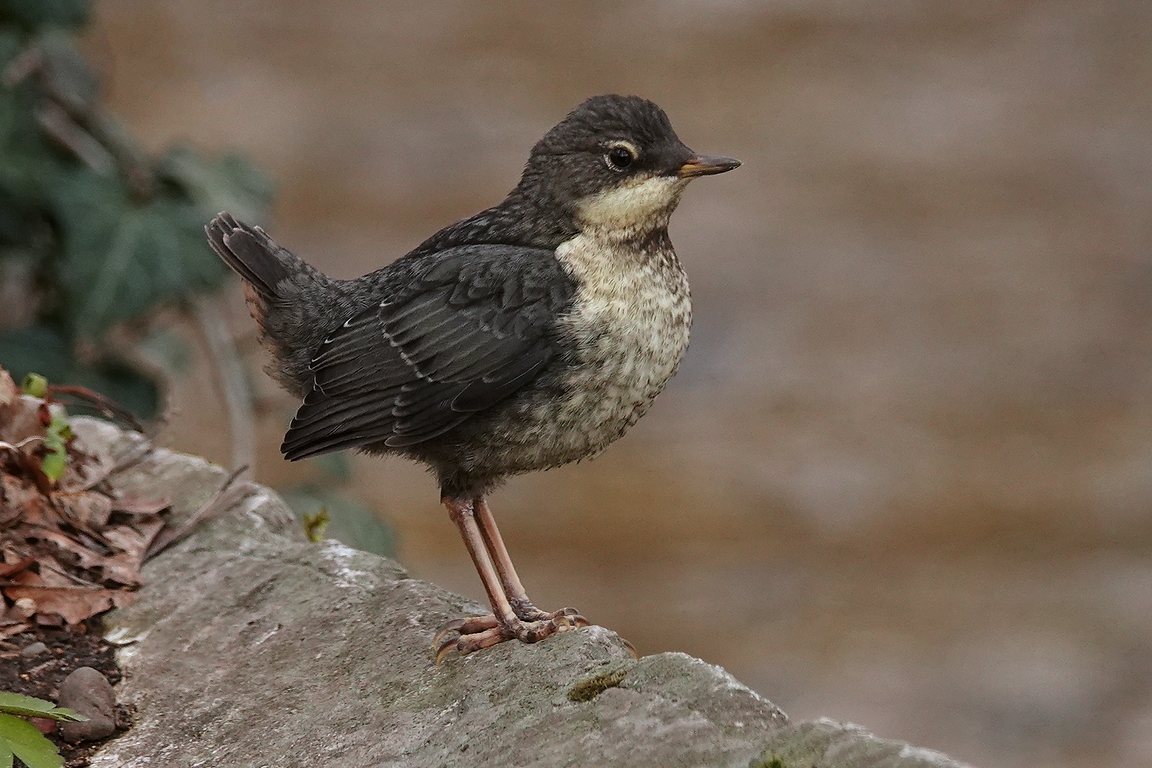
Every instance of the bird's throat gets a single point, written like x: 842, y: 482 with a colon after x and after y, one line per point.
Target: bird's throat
x: 631, y: 210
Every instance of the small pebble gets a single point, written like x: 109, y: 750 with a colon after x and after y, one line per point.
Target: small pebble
x: 88, y: 692
x: 33, y: 649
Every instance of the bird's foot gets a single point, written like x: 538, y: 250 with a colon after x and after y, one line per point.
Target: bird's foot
x: 473, y: 634
x: 525, y: 611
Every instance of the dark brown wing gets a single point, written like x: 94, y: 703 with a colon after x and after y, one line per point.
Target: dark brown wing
x: 477, y: 327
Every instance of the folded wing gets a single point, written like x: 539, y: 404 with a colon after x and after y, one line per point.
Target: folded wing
x: 475, y: 329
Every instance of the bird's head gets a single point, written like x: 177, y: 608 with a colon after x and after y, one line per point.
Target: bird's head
x: 614, y: 165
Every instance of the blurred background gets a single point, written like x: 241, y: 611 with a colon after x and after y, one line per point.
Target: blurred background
x: 904, y: 476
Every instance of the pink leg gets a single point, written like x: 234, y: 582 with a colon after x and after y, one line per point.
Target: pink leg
x: 513, y: 589
x: 528, y: 624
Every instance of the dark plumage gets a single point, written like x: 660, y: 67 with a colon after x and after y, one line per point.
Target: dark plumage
x: 529, y: 335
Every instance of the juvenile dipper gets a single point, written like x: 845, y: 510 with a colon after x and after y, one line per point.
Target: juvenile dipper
x: 525, y: 337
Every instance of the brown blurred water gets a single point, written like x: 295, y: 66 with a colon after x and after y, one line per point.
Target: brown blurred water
x: 904, y: 476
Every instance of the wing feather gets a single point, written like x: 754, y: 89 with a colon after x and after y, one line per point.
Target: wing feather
x: 479, y: 326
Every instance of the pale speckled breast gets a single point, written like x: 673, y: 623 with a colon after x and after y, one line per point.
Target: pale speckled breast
x: 630, y: 319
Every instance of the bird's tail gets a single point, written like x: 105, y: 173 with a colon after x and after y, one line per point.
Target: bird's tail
x: 251, y: 254
x: 292, y: 302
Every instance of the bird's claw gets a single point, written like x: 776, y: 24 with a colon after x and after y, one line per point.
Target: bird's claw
x: 463, y: 636
x: 629, y: 647
x: 569, y: 616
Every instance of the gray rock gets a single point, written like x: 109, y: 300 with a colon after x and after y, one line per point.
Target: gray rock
x: 89, y: 693
x: 251, y: 646
x: 33, y: 649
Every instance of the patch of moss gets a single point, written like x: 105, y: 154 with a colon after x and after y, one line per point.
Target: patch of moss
x: 591, y: 687
x: 767, y: 762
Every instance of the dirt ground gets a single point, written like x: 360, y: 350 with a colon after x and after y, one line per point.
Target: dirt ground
x: 40, y: 674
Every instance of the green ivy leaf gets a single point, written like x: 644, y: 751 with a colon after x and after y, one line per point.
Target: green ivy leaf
x: 33, y: 14
x: 336, y: 467
x: 54, y: 463
x: 44, y: 350
x: 122, y: 384
x: 64, y: 72
x: 20, y: 738
x: 165, y: 348
x: 11, y: 43
x: 122, y: 258
x: 35, y: 349
x: 27, y: 166
x: 231, y: 183
x: 18, y: 704
x: 36, y: 385
x: 56, y: 439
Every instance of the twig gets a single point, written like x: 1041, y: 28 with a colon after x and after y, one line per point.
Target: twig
x: 108, y: 407
x: 95, y: 544
x: 15, y: 447
x: 233, y: 386
x: 58, y: 124
x: 22, y: 66
x: 206, y: 511
x: 59, y: 587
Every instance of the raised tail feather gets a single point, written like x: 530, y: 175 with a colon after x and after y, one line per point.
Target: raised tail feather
x: 292, y: 303
x: 250, y: 253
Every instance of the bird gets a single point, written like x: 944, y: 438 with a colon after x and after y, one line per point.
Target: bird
x: 530, y: 335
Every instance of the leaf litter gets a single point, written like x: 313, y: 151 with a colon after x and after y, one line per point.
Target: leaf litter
x: 71, y: 547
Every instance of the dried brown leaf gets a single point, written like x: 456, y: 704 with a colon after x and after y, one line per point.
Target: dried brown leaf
x: 21, y: 419
x: 11, y: 568
x: 54, y: 539
x: 86, y: 558
x: 122, y: 569
x: 31, y: 466
x: 26, y: 578
x: 149, y: 530
x: 25, y: 498
x: 8, y: 515
x: 125, y: 538
x: 141, y: 505
x: 85, y: 470
x: 51, y: 573
x: 85, y: 508
x: 14, y: 629
x: 21, y: 610
x: 73, y: 604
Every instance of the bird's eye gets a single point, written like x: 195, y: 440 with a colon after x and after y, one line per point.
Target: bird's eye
x: 619, y: 158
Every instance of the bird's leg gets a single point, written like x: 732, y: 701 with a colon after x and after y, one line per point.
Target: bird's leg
x: 513, y: 589
x: 473, y: 634
x: 463, y: 514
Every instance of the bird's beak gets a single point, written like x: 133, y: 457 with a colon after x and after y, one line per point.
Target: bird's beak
x: 703, y: 165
